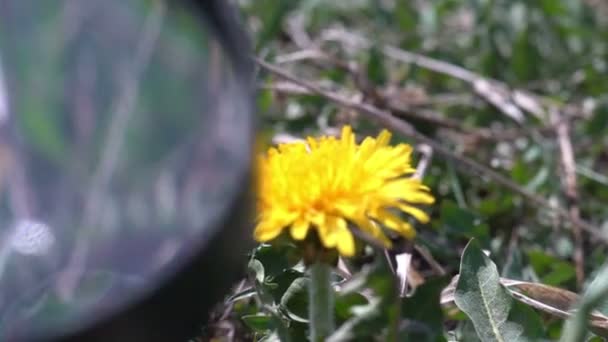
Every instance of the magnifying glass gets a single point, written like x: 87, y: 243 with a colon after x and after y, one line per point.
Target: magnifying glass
x: 125, y: 149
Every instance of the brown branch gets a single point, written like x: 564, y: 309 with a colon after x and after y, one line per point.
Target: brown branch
x: 436, y: 119
x: 465, y: 164
x: 569, y: 187
x: 421, y: 114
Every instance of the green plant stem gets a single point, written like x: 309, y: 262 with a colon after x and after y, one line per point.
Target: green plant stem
x: 321, y: 302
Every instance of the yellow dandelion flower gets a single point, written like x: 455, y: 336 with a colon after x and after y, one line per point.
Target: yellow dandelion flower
x: 327, y: 183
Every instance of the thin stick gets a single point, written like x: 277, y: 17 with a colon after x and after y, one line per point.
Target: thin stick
x: 428, y: 257
x: 569, y: 186
x: 425, y: 115
x: 466, y: 164
x: 426, y: 153
x: 593, y: 175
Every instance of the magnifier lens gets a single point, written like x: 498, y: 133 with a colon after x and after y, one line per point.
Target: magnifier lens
x: 124, y: 140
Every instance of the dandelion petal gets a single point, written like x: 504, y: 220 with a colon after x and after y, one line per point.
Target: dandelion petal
x: 417, y: 213
x: 299, y: 229
x: 346, y: 242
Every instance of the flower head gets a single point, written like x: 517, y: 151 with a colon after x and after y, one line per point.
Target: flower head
x: 327, y: 183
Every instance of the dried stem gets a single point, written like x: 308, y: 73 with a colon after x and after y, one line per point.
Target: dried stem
x: 426, y: 115
x: 428, y: 257
x: 426, y: 154
x: 569, y: 186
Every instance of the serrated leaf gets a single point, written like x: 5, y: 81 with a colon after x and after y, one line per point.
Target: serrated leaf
x: 494, y: 313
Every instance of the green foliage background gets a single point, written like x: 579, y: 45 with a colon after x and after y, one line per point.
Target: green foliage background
x: 553, y: 50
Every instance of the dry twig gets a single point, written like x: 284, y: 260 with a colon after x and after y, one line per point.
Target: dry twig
x: 426, y: 153
x: 426, y: 115
x: 569, y: 186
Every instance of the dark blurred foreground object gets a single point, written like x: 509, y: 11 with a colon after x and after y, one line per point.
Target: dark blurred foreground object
x: 125, y: 156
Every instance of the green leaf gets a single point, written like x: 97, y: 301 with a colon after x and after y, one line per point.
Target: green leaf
x: 262, y: 288
x: 553, y: 8
x: 598, y: 123
x: 494, y: 313
x: 272, y: 13
x: 375, y: 67
x: 427, y: 324
x: 561, y: 272
x: 466, y: 332
x: 539, y: 179
x: 596, y: 284
x: 259, y: 322
x: 596, y: 296
x: 406, y: 15
x: 524, y: 57
x: 462, y: 222
x: 366, y: 322
x: 552, y: 270
x: 514, y: 267
x: 283, y: 281
x: 381, y: 310
x: 43, y: 131
x: 275, y: 258
x: 295, y: 300
x: 346, y: 302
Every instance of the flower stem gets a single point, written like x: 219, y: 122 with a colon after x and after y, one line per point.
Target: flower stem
x: 320, y: 301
